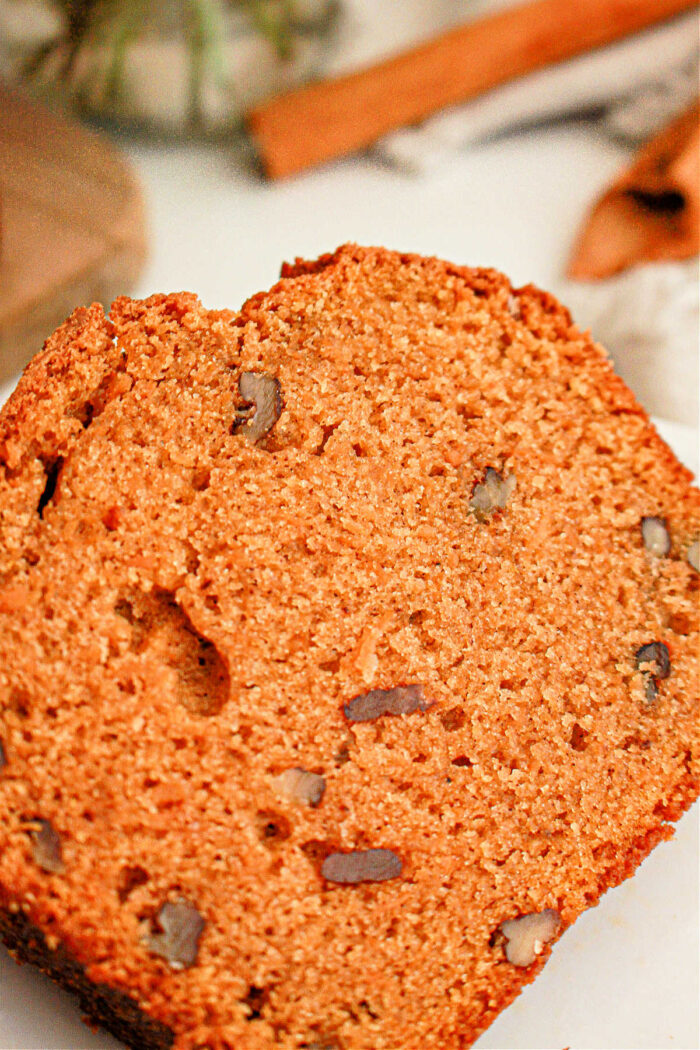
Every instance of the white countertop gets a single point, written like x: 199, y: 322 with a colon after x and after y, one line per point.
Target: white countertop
x: 626, y: 975
x: 513, y: 204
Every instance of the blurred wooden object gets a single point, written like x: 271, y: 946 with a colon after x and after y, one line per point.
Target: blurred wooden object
x: 651, y: 213
x: 336, y: 117
x: 73, y: 228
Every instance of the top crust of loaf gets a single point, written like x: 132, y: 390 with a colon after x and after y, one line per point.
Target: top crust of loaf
x: 342, y: 695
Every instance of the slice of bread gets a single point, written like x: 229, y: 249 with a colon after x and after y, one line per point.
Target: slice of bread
x: 350, y: 653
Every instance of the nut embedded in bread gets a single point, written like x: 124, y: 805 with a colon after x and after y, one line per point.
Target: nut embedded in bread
x: 317, y: 727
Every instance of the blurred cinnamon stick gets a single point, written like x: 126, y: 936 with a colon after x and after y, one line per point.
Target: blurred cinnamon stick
x: 652, y: 210
x: 329, y: 119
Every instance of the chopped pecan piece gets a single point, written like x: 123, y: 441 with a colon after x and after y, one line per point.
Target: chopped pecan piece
x: 526, y: 936
x: 46, y: 846
x: 491, y: 494
x: 657, y: 655
x: 300, y: 785
x: 401, y: 700
x: 655, y: 536
x: 265, y: 393
x: 370, y: 865
x: 175, y: 934
x: 693, y: 555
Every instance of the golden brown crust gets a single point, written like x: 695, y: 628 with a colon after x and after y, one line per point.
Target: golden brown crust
x: 449, y: 502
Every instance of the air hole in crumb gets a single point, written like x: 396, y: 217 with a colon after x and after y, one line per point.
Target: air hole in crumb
x: 125, y: 609
x: 328, y: 432
x: 254, y: 1001
x: 452, y: 719
x: 462, y: 760
x: 273, y: 828
x: 391, y: 930
x: 18, y: 702
x: 680, y: 623
x: 635, y: 741
x: 342, y: 755
x: 316, y: 850
x: 359, y: 451
x: 163, y: 629
x: 52, y: 469
x: 191, y: 559
x: 420, y: 759
x: 112, y: 385
x: 131, y: 876
x: 579, y: 738
x: 112, y: 518
x: 201, y: 478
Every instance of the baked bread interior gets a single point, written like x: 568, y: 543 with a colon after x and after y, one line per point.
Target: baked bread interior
x: 350, y: 652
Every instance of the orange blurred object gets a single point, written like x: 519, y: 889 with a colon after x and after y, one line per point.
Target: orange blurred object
x: 651, y: 213
x: 332, y: 118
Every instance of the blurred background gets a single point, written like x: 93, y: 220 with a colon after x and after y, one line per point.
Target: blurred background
x: 567, y: 156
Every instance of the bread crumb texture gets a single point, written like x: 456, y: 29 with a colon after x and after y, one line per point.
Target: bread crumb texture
x: 331, y: 644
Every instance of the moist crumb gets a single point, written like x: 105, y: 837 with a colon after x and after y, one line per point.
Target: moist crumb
x: 333, y: 640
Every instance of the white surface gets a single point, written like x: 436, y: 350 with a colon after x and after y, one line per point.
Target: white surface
x: 627, y: 974
x: 514, y: 204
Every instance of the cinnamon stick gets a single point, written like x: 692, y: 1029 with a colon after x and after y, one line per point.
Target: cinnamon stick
x: 651, y: 213
x: 329, y: 119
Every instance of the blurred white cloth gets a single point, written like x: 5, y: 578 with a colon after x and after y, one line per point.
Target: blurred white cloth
x: 649, y: 319
x: 637, y: 84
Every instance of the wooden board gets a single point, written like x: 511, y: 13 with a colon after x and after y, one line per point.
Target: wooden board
x: 72, y: 224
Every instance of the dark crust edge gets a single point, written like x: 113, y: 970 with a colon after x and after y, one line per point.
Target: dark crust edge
x: 106, y: 1006
x: 117, y: 1012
